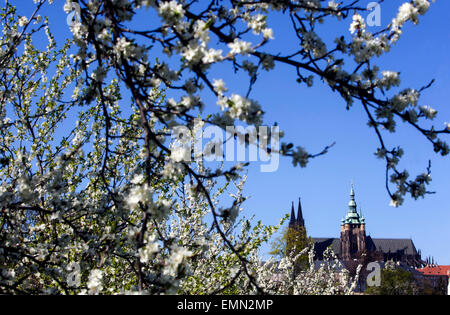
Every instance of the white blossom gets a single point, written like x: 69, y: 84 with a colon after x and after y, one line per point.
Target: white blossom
x: 358, y: 24
x: 219, y: 86
x: 23, y: 21
x: 140, y: 194
x: 333, y: 5
x: 177, y: 257
x: 390, y: 78
x: 268, y: 33
x: 429, y: 112
x: 212, y: 55
x: 95, y: 284
x: 240, y: 47
x: 180, y: 153
x: 150, y: 249
x: 171, y: 11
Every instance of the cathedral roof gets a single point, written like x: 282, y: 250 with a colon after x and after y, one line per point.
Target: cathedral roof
x: 385, y: 245
x: 322, y: 243
x: 392, y: 245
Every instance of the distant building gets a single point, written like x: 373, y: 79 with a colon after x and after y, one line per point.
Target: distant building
x: 435, y: 270
x: 354, y: 243
x: 437, y: 275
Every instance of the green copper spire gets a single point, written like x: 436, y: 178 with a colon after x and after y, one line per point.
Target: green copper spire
x: 352, y: 203
x: 352, y: 216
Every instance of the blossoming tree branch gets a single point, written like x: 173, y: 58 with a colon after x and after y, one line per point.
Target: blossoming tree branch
x: 93, y: 196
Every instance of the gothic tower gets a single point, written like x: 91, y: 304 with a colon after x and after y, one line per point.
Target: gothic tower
x: 292, y: 221
x: 297, y: 230
x: 353, y: 231
x: 299, y: 221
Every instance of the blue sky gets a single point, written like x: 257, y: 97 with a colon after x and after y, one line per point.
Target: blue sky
x: 315, y: 117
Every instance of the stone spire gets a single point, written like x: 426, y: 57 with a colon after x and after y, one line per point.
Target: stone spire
x: 292, y: 221
x: 300, y: 220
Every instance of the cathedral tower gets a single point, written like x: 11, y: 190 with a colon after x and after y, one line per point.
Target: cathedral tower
x: 296, y: 234
x: 299, y: 221
x: 353, y: 231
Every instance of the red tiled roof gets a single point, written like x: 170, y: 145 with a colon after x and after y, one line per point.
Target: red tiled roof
x: 435, y: 270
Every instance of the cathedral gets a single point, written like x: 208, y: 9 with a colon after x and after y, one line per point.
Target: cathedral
x: 353, y: 243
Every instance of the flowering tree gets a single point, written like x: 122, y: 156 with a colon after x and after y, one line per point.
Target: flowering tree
x: 107, y: 204
x: 291, y: 241
x: 395, y: 281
